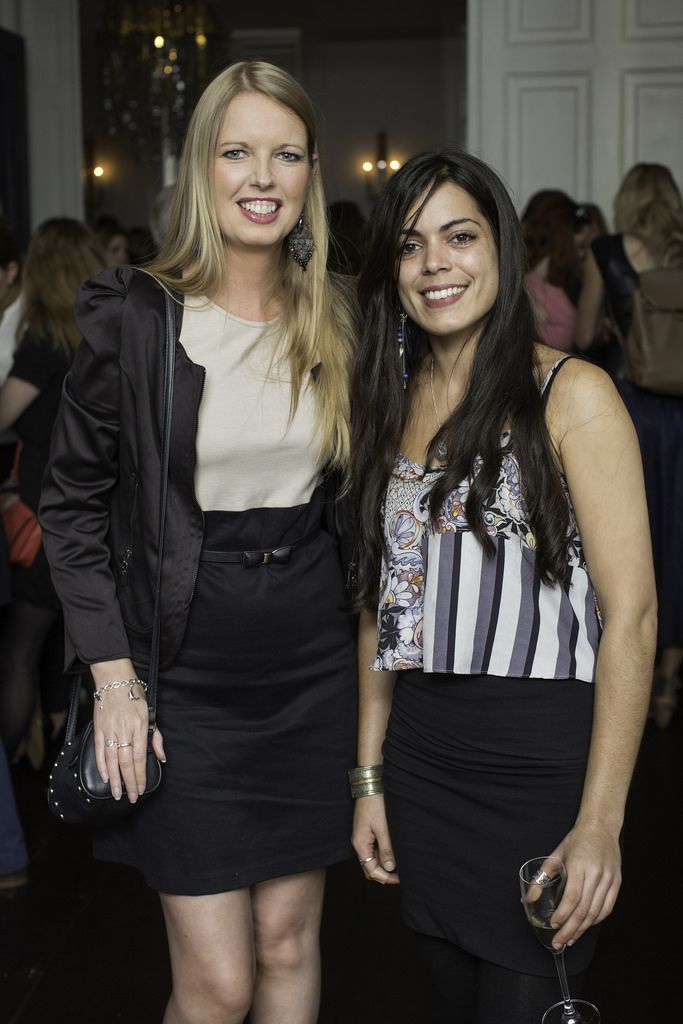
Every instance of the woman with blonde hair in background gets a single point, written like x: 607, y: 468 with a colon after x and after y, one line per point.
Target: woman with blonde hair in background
x: 648, y: 215
x: 257, y: 701
x: 62, y: 253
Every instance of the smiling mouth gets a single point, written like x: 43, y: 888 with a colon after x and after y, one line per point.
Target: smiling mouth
x: 260, y: 207
x: 438, y: 294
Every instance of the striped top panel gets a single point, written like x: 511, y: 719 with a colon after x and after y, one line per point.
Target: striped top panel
x: 448, y: 606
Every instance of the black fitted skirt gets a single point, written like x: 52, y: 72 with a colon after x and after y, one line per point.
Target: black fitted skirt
x: 258, y: 715
x: 481, y: 774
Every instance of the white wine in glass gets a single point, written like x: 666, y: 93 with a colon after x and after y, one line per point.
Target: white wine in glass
x: 542, y: 881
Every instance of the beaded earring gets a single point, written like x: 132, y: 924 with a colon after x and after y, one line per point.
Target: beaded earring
x: 401, y: 342
x: 300, y: 243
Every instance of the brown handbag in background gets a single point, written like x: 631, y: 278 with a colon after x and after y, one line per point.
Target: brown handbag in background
x: 653, y: 348
x: 22, y: 529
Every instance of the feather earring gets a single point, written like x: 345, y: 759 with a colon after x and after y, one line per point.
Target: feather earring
x: 401, y: 344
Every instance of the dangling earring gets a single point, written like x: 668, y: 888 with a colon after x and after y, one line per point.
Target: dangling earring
x: 401, y: 342
x: 300, y: 243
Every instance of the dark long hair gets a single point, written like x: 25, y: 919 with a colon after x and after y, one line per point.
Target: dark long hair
x: 502, y: 391
x: 549, y: 225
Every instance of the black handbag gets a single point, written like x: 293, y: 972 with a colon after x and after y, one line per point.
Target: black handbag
x: 76, y: 793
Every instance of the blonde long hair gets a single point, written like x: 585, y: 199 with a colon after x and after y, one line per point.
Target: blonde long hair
x: 648, y: 205
x: 62, y: 254
x: 318, y: 311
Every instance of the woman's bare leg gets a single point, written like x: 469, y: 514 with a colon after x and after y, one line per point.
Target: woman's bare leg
x: 287, y: 915
x: 211, y: 943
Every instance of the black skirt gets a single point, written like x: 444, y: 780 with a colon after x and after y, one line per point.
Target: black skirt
x: 481, y: 774
x: 258, y: 715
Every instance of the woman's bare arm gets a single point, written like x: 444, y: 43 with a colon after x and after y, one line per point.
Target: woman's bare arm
x: 370, y: 831
x: 602, y: 463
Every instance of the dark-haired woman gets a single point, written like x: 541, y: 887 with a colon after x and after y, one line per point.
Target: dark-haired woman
x: 507, y: 597
x: 551, y: 227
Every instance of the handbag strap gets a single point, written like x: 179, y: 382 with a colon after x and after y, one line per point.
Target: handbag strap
x: 169, y: 374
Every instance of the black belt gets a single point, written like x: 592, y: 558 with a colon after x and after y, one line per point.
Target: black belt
x: 251, y: 559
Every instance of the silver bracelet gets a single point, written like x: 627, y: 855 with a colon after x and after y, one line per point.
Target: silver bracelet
x: 116, y: 685
x: 366, y: 780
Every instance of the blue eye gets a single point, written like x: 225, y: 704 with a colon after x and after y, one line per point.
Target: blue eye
x: 289, y: 157
x: 233, y: 154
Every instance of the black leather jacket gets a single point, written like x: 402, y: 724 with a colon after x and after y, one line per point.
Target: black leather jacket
x: 100, y: 501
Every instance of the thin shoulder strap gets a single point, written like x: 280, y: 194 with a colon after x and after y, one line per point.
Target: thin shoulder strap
x: 550, y: 377
x: 169, y: 371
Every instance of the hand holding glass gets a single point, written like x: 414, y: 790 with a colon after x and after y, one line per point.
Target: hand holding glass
x: 542, y: 881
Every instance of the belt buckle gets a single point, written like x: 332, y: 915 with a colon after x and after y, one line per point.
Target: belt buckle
x: 278, y: 556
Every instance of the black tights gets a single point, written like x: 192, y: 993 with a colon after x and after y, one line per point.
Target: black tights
x: 467, y: 990
x: 23, y: 633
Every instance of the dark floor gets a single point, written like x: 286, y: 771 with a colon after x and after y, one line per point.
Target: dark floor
x: 84, y: 941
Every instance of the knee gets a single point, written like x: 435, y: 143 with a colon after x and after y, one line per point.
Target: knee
x: 286, y: 945
x: 211, y: 996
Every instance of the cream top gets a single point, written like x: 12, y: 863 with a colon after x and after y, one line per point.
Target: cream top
x: 249, y: 453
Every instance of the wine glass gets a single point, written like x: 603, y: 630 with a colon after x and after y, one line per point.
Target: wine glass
x: 542, y: 881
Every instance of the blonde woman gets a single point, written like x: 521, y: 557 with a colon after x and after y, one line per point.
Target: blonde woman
x: 62, y: 253
x: 256, y: 689
x: 648, y: 214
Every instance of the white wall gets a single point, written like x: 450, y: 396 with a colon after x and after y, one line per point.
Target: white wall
x: 50, y: 31
x: 571, y: 93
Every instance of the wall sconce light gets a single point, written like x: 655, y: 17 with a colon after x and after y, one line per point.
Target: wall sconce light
x: 376, y: 171
x: 98, y: 171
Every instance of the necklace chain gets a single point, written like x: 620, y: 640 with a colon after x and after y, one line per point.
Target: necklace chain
x: 442, y: 450
x: 431, y: 388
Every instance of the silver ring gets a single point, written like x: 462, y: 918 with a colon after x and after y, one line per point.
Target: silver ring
x: 122, y: 745
x: 366, y: 860
x: 110, y: 743
x: 541, y: 877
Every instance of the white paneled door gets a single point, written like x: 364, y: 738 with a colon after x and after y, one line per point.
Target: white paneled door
x: 571, y: 93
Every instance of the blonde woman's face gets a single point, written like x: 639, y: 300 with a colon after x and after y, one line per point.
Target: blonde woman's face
x: 261, y: 172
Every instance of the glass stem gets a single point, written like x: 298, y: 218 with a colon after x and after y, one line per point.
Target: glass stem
x: 569, y: 1010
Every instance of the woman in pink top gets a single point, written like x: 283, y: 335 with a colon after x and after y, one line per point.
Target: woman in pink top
x: 550, y: 224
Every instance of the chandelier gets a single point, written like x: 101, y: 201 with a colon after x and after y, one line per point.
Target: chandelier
x: 156, y: 59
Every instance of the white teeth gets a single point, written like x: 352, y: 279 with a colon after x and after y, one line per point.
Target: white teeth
x: 443, y: 293
x: 260, y: 207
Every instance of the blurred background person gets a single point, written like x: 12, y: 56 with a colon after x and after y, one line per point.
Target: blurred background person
x: 62, y: 253
x: 347, y: 224
x: 648, y: 216
x: 10, y: 311
x: 13, y: 854
x: 551, y: 224
x: 113, y: 240
x: 141, y: 246
x: 592, y: 225
x: 160, y: 213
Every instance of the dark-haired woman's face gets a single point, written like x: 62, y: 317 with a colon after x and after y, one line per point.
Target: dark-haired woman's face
x: 448, y: 277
